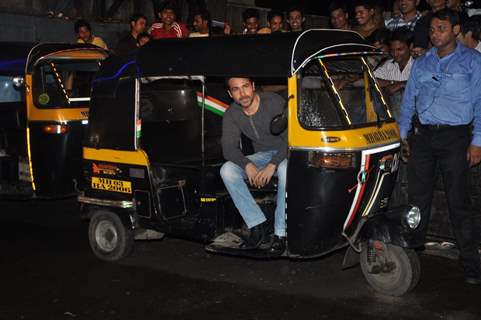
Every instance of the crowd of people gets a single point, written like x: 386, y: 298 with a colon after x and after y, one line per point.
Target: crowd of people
x: 370, y: 20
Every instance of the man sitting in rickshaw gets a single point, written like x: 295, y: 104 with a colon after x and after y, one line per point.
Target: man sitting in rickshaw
x: 251, y: 114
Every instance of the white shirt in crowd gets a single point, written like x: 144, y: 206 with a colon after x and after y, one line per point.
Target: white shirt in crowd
x: 390, y: 71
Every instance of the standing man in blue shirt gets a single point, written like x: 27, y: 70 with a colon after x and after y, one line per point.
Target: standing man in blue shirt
x: 441, y: 102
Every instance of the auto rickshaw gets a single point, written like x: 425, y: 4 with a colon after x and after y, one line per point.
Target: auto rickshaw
x: 152, y: 152
x: 43, y: 112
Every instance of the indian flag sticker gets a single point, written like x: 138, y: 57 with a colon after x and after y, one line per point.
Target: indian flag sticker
x: 212, y: 104
x: 138, y: 128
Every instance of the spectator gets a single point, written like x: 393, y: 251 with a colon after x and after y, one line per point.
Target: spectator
x: 380, y: 39
x: 275, y: 19
x: 143, y: 39
x: 364, y: 10
x: 379, y: 13
x: 168, y: 27
x: 456, y: 6
x: 128, y: 44
x: 394, y: 73
x: 84, y: 34
x: 202, y: 24
x: 339, y: 15
x: 409, y: 16
x: 295, y: 19
x: 395, y: 11
x: 421, y: 30
x: 250, y: 17
x: 470, y: 33
x: 442, y: 103
x: 59, y: 8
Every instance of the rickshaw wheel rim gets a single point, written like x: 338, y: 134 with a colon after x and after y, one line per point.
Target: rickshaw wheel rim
x: 106, y: 236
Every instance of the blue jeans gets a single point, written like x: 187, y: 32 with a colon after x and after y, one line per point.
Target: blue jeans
x: 234, y: 178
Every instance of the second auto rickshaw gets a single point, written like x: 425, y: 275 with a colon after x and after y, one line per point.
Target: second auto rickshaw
x: 152, y: 153
x: 43, y: 113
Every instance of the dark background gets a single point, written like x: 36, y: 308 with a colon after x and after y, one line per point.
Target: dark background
x: 320, y: 7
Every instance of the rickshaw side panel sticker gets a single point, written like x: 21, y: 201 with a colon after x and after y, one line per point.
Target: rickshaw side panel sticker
x: 111, y: 185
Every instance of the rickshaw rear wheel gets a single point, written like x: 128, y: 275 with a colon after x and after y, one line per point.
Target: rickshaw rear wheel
x: 396, y: 272
x: 109, y: 239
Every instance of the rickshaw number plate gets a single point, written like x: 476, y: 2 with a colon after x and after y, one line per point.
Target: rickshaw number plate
x: 111, y: 185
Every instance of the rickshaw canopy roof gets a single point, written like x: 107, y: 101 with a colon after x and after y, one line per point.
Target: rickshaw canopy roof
x: 18, y: 58
x: 272, y: 55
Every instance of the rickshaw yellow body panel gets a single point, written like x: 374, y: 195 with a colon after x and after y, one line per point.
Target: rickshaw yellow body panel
x: 56, y: 115
x: 138, y: 157
x: 348, y: 139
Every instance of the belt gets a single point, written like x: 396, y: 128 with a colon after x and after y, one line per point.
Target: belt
x: 435, y: 127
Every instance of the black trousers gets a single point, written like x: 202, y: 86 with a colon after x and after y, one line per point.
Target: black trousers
x: 445, y: 147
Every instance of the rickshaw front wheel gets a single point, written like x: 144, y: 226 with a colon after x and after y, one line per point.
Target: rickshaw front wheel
x: 109, y: 239
x: 390, y: 269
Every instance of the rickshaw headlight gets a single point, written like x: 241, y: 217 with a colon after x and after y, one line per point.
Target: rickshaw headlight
x: 413, y: 217
x: 328, y: 160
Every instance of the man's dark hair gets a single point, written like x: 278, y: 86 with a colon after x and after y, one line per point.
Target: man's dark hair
x: 447, y: 14
x: 379, y: 35
x: 295, y: 8
x: 472, y: 24
x: 274, y: 13
x: 226, y: 80
x: 336, y: 5
x: 81, y: 23
x: 368, y: 4
x: 168, y: 5
x: 136, y: 17
x: 403, y: 35
x: 250, y: 13
x: 205, y: 15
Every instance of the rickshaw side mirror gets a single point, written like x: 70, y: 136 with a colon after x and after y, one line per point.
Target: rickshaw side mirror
x: 279, y: 124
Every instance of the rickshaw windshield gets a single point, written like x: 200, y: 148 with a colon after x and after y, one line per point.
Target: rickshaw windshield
x: 63, y: 83
x: 340, y: 92
x: 10, y: 93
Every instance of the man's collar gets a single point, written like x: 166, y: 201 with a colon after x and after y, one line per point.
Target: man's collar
x: 417, y: 16
x: 434, y: 51
x: 410, y: 61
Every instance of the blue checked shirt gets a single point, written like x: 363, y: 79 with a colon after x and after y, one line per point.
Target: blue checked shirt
x: 395, y: 23
x: 444, y: 91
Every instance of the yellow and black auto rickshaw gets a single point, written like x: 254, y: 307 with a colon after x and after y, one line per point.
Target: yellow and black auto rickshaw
x: 44, y: 99
x: 152, y: 152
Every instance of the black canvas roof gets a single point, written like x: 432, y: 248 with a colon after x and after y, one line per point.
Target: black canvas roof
x: 273, y: 55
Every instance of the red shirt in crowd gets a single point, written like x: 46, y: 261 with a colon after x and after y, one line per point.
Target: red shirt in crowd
x: 178, y: 30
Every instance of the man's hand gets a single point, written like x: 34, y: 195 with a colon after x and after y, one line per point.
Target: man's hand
x: 405, y: 152
x: 395, y: 87
x: 474, y: 155
x: 251, y: 172
x: 264, y: 176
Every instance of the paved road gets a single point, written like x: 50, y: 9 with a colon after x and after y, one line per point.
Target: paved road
x: 48, y: 272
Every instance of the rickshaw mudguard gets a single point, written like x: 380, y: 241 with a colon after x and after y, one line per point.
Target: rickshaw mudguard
x: 128, y: 217
x: 387, y: 227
